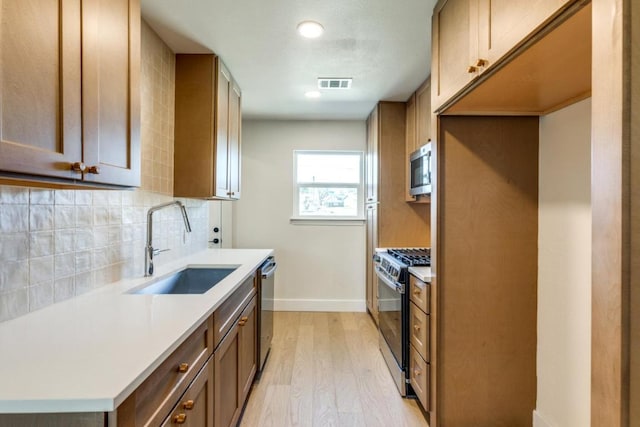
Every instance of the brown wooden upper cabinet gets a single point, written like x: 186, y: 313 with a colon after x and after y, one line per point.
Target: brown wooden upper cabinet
x: 207, y: 129
x: 470, y: 36
x: 418, y: 131
x: 70, y: 103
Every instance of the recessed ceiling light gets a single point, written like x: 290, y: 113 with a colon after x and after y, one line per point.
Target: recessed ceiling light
x: 313, y: 94
x: 310, y: 29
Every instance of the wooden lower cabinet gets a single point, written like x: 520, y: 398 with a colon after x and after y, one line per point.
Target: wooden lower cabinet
x: 419, y: 376
x: 235, y: 367
x: 248, y: 355
x: 195, y: 408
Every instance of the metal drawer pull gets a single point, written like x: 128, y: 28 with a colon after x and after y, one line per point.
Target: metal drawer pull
x: 184, y: 367
x: 243, y: 320
x: 180, y: 418
x: 78, y: 167
x: 188, y: 404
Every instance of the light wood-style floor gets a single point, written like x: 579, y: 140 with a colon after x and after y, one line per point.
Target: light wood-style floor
x: 325, y: 369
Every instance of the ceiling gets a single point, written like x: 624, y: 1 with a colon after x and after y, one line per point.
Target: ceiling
x: 384, y: 46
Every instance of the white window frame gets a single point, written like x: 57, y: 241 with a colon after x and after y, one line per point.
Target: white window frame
x: 331, y: 219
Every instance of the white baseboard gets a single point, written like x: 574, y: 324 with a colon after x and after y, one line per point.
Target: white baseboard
x: 319, y: 305
x: 538, y: 421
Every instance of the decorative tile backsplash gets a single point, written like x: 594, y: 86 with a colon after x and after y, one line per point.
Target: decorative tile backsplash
x: 56, y: 244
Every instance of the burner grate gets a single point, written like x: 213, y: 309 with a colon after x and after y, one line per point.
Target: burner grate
x: 412, y: 256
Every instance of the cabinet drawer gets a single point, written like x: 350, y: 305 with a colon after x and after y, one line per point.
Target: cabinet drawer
x: 150, y: 403
x: 225, y: 316
x: 195, y: 407
x: 419, y: 330
x: 419, y: 293
x: 419, y: 374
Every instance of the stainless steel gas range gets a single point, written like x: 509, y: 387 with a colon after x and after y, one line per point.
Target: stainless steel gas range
x: 392, y: 271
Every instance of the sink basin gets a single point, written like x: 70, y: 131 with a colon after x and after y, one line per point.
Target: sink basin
x: 188, y: 281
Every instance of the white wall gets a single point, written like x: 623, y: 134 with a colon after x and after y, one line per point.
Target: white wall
x: 564, y: 269
x: 320, y: 268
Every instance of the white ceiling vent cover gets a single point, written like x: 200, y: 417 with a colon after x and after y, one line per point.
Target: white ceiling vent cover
x: 334, y: 83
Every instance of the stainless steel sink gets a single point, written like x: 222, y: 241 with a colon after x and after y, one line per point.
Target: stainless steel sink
x: 188, y: 281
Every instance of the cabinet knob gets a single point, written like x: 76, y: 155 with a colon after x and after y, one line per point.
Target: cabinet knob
x: 180, y: 419
x: 243, y: 320
x: 94, y: 170
x: 188, y: 404
x: 417, y: 291
x: 482, y: 62
x: 416, y: 327
x: 230, y: 193
x: 472, y: 69
x: 417, y: 372
x: 78, y: 167
x: 184, y: 367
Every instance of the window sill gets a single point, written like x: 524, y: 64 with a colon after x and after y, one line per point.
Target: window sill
x: 327, y: 221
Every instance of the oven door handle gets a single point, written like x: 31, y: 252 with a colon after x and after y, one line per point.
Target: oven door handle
x: 398, y: 287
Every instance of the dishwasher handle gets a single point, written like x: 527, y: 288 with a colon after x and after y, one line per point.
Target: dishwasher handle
x: 269, y: 268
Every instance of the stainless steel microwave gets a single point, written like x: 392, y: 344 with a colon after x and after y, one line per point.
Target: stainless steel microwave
x: 420, y: 163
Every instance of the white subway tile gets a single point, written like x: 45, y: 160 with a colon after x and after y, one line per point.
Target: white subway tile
x: 65, y: 217
x: 100, y: 257
x: 40, y: 295
x: 64, y: 288
x: 65, y: 265
x: 14, y: 304
x: 65, y: 240
x: 84, y: 216
x: 128, y: 215
x: 84, y: 282
x: 13, y: 195
x: 115, y: 198
x: 127, y: 198
x: 100, y: 198
x: 100, y: 237
x: 41, y: 243
x: 100, y: 215
x: 84, y: 197
x: 65, y: 197
x: 14, y: 218
x: 41, y: 197
x: 14, y: 275
x: 14, y: 246
x: 84, y: 238
x: 83, y: 261
x: 115, y: 234
x: 115, y: 215
x: 41, y: 270
x: 40, y: 217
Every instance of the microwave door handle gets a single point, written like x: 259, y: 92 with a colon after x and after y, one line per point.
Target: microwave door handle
x: 429, y: 167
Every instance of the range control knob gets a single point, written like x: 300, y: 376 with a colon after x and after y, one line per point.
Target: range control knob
x: 216, y: 241
x: 216, y: 229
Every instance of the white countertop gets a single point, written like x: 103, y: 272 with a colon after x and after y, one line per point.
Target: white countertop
x: 89, y: 353
x: 422, y: 273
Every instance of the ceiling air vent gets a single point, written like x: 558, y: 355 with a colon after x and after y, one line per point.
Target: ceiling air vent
x: 334, y: 83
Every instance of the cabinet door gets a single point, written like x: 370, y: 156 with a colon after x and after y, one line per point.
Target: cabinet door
x: 454, y: 48
x: 371, y: 167
x: 226, y: 394
x: 423, y: 114
x: 235, y: 124
x: 111, y: 91
x: 247, y: 356
x: 372, y: 241
x: 195, y: 408
x: 40, y: 88
x: 410, y: 144
x: 502, y: 24
x: 222, y: 132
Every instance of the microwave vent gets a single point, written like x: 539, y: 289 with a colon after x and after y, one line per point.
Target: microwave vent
x: 334, y: 83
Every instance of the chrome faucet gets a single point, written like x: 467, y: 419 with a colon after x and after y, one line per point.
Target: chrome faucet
x: 149, y: 251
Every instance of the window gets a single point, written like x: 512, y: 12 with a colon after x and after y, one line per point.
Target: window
x: 328, y: 185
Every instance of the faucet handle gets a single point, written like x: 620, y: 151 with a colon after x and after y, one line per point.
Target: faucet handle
x: 157, y: 251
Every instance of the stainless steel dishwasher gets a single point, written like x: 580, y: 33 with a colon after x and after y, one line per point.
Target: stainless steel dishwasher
x: 266, y: 277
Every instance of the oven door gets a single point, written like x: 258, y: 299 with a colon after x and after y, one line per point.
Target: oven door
x: 390, y: 316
